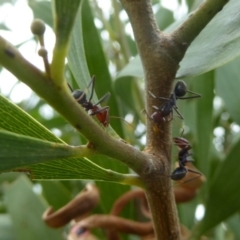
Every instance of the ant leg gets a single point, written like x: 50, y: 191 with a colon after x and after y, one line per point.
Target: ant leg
x: 100, y: 110
x: 182, y: 131
x: 192, y: 171
x: 171, y: 118
x: 179, y: 114
x: 144, y: 110
x: 102, y: 115
x: 158, y: 97
x: 156, y: 117
x: 123, y: 120
x: 104, y: 97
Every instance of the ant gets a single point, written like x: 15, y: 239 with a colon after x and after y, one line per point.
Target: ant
x: 167, y: 107
x: 102, y: 114
x: 181, y: 171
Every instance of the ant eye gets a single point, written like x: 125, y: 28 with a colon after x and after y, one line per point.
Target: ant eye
x: 180, y: 89
x: 80, y: 96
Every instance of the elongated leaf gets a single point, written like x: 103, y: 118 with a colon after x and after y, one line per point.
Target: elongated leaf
x: 76, y: 55
x: 65, y: 12
x: 233, y: 225
x: 205, y: 53
x: 228, y: 85
x: 18, y: 151
x: 133, y: 100
x: 164, y: 17
x: 6, y: 227
x: 204, y: 85
x: 26, y: 208
x: 61, y: 195
x: 75, y: 168
x: 16, y: 120
x: 224, y: 194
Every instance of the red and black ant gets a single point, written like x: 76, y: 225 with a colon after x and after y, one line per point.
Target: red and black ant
x: 102, y: 114
x: 167, y: 107
x: 181, y: 171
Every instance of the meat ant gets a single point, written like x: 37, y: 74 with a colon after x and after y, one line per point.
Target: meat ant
x: 167, y: 107
x: 102, y: 114
x: 181, y: 171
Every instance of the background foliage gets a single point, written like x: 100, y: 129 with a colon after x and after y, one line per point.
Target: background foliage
x: 211, y: 124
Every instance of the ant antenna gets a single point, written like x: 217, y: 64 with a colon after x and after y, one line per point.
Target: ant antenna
x: 104, y: 97
x: 93, y: 86
x: 70, y: 87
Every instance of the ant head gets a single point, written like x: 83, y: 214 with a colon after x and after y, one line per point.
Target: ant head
x: 179, y: 173
x: 80, y: 96
x: 180, y: 89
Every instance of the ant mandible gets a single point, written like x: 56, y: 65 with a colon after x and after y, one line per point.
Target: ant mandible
x: 102, y: 114
x: 181, y: 171
x: 167, y: 107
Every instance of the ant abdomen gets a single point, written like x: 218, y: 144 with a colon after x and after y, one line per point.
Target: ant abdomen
x: 157, y: 117
x: 181, y: 142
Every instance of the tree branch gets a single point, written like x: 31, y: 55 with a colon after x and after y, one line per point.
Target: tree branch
x: 160, y: 55
x: 198, y: 20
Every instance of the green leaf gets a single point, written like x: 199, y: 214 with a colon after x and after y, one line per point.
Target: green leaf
x: 204, y: 85
x: 6, y: 228
x: 65, y: 12
x: 61, y: 195
x: 76, y: 55
x: 18, y: 151
x: 164, y: 17
x: 26, y: 209
x: 227, y: 87
x: 16, y: 120
x: 205, y: 53
x: 233, y: 225
x: 75, y: 168
x: 133, y: 99
x: 187, y: 212
x: 224, y: 195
